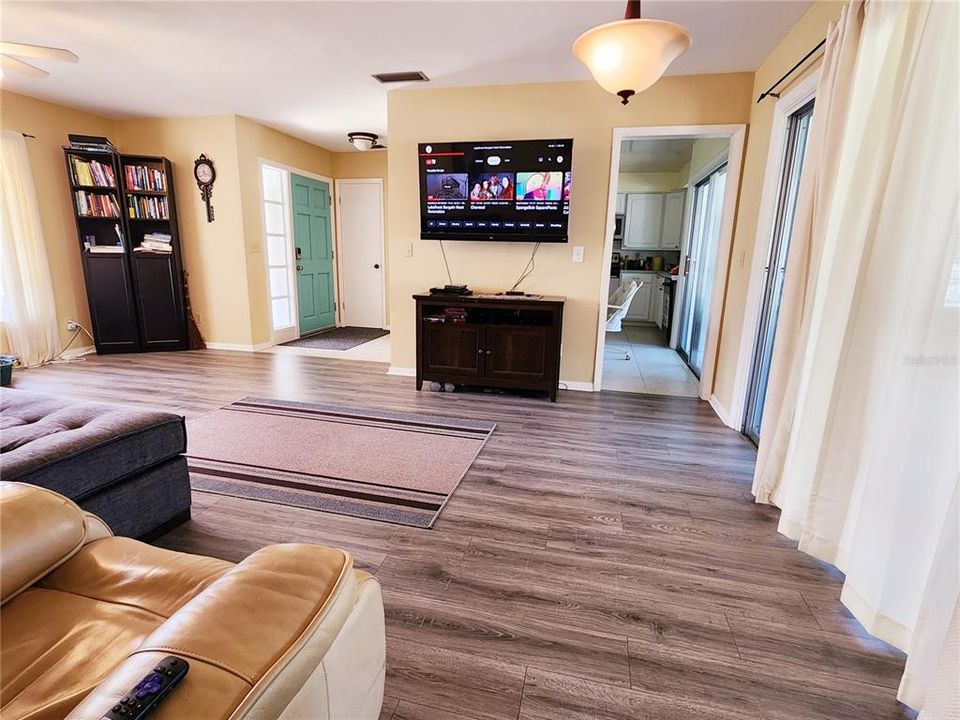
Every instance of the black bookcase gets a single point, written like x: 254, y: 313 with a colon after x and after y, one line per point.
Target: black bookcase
x: 136, y: 297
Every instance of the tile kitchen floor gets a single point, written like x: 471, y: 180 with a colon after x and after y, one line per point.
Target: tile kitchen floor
x: 653, y: 366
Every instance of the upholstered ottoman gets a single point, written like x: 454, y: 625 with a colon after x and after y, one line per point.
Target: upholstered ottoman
x: 124, y: 464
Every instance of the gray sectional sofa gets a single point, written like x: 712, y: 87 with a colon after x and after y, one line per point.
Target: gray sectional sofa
x: 123, y: 464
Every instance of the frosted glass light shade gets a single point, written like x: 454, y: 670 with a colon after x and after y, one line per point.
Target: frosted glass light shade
x: 628, y: 56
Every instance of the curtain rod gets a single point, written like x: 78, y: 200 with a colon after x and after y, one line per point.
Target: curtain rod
x: 770, y: 90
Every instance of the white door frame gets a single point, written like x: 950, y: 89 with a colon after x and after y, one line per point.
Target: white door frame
x: 383, y: 267
x: 736, y: 135
x: 291, y: 244
x: 789, y: 102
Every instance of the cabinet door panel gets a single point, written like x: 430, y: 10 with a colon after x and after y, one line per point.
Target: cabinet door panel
x: 641, y: 307
x: 110, y: 296
x: 643, y: 220
x: 516, y: 352
x: 161, y: 316
x: 451, y: 349
x: 672, y: 221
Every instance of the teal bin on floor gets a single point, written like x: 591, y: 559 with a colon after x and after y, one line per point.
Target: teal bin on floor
x: 6, y: 369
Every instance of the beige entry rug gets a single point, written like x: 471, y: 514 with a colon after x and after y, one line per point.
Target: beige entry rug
x: 394, y: 467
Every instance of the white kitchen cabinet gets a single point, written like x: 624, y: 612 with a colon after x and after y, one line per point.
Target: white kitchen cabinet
x: 642, y: 221
x: 672, y: 220
x: 621, y: 203
x: 641, y: 309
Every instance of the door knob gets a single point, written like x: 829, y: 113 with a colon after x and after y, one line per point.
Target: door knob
x: 376, y: 266
x: 299, y: 268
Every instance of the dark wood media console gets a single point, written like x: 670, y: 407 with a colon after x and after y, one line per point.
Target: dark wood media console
x: 490, y: 341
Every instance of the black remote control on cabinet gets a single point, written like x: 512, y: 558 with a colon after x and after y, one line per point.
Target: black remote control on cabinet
x: 149, y: 692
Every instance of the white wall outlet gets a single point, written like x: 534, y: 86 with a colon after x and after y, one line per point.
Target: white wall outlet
x: 72, y: 326
x: 408, y: 250
x: 578, y: 253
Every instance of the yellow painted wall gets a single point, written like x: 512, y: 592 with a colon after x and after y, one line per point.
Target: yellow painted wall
x: 50, y: 124
x: 354, y: 165
x: 704, y: 151
x: 254, y: 142
x: 580, y: 110
x: 808, y: 31
x: 649, y: 182
x: 213, y: 252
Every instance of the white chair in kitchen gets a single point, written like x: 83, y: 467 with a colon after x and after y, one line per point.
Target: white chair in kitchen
x: 617, y: 310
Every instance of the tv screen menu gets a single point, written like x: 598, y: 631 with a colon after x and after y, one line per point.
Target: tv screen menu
x: 515, y: 190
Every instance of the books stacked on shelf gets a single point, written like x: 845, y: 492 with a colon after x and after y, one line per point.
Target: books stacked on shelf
x: 141, y: 177
x: 91, y: 143
x: 91, y: 172
x: 148, y: 208
x: 96, y: 205
x: 156, y: 242
x: 91, y: 246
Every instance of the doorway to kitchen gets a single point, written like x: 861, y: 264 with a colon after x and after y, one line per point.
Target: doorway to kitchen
x: 669, y: 229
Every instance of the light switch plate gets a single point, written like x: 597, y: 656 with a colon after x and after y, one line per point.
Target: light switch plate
x: 408, y: 250
x: 578, y: 253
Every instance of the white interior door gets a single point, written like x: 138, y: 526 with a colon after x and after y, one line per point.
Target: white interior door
x: 361, y: 252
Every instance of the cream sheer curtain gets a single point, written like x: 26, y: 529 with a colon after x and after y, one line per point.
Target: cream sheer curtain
x: 860, y: 443
x: 28, y: 312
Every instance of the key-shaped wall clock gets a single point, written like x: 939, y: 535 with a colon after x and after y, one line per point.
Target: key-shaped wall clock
x: 205, y: 174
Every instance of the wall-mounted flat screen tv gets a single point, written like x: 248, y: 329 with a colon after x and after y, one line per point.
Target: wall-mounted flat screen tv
x: 509, y: 190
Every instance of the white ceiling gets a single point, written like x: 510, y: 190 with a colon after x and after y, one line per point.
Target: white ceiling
x: 657, y: 155
x: 304, y: 67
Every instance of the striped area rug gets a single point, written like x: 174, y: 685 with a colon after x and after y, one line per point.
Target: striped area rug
x: 394, y: 467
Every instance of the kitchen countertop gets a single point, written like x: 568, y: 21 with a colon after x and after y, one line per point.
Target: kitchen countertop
x: 660, y: 273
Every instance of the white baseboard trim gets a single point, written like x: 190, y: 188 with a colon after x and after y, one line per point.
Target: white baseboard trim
x: 723, y: 413
x: 402, y: 371
x: 577, y: 386
x: 237, y: 347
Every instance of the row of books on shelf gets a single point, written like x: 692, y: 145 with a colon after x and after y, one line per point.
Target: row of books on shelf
x: 91, y: 172
x: 141, y: 177
x: 96, y: 205
x: 148, y: 208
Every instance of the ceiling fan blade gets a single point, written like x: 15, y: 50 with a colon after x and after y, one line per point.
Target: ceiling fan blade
x: 38, y: 51
x: 10, y: 64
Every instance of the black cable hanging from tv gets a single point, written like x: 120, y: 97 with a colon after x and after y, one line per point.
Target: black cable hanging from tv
x: 770, y: 90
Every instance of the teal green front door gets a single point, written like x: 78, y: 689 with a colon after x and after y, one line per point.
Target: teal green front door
x: 314, y: 252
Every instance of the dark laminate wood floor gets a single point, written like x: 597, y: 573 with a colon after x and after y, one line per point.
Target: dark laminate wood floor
x: 602, y: 558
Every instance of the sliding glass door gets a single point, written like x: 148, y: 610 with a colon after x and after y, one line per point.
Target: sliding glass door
x: 699, y: 266
x: 798, y: 128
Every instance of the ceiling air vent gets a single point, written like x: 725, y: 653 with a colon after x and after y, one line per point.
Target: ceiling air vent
x: 398, y: 77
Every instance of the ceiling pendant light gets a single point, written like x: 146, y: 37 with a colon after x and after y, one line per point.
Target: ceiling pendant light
x: 364, y: 141
x: 628, y: 56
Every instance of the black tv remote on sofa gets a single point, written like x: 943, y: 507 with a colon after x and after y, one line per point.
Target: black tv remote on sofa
x: 150, y: 691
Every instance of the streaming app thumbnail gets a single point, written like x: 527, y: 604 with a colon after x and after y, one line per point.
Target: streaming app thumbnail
x: 446, y: 186
x: 539, y: 185
x: 492, y: 186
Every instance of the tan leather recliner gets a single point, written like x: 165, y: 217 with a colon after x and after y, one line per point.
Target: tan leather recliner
x: 292, y: 632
